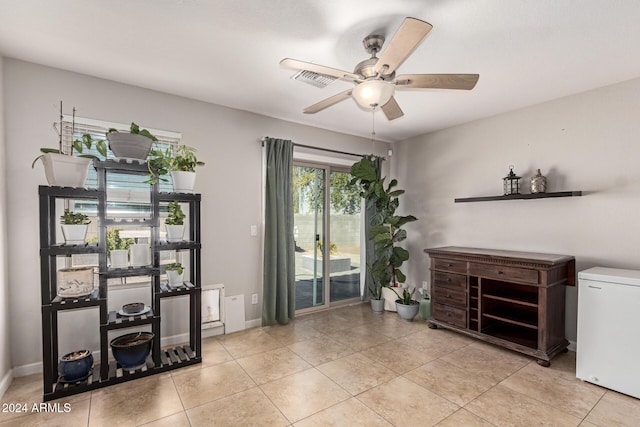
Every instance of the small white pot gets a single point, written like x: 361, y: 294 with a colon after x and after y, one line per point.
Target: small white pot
x: 183, y: 182
x: 65, y: 171
x: 174, y: 233
x: 74, y: 234
x: 140, y: 254
x: 175, y: 279
x: 119, y: 258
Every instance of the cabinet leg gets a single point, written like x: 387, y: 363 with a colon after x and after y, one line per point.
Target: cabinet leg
x: 432, y: 325
x: 544, y: 363
x: 564, y: 350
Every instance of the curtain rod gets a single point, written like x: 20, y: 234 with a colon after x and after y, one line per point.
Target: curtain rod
x: 321, y: 149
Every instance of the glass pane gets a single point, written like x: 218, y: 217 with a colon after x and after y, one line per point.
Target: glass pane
x: 344, y: 226
x: 308, y: 233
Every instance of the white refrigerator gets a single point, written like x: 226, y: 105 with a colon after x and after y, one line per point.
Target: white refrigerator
x: 608, y: 344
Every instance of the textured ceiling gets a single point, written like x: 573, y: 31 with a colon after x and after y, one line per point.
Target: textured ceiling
x: 227, y: 52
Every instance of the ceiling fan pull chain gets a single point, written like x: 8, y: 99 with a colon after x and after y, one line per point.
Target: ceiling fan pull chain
x: 373, y: 127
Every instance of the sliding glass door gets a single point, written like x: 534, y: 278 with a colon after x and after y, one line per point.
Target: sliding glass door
x: 326, y: 209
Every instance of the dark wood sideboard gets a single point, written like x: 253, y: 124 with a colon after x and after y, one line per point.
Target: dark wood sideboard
x: 512, y: 299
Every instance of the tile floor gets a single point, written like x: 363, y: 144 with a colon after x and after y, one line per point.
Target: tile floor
x: 344, y: 367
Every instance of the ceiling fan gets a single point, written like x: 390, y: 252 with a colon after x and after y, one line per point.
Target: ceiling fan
x: 375, y: 78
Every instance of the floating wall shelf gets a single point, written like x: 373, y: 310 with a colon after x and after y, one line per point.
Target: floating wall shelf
x: 520, y: 196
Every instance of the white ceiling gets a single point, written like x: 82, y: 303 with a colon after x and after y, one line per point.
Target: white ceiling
x: 227, y: 51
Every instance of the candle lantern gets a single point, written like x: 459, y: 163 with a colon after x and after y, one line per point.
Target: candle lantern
x: 511, y: 183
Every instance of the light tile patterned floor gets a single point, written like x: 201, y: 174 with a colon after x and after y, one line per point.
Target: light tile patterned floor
x: 344, y: 367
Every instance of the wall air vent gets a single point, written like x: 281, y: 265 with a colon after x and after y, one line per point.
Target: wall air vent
x: 314, y: 79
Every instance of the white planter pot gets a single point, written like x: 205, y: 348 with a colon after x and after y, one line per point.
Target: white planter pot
x: 175, y: 233
x: 140, y: 255
x: 129, y: 145
x: 183, y: 182
x: 175, y: 279
x: 119, y: 258
x: 74, y: 282
x: 74, y: 234
x: 65, y: 171
x: 390, y: 297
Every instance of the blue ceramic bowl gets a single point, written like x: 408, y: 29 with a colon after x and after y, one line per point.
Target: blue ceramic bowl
x: 131, y: 350
x: 75, y: 366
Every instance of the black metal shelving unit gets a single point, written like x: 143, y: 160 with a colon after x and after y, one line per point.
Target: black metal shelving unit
x: 106, y: 372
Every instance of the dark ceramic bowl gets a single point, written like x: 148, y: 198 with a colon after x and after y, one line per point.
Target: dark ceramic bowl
x: 133, y: 308
x: 75, y: 366
x: 131, y: 350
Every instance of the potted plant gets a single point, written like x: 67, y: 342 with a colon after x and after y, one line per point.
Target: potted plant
x: 134, y: 144
x: 181, y: 164
x: 175, y: 223
x: 118, y: 248
x: 63, y: 168
x: 74, y: 227
x: 406, y: 306
x: 175, y: 273
x: 385, y: 227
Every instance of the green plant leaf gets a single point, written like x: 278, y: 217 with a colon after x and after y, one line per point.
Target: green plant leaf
x: 134, y: 128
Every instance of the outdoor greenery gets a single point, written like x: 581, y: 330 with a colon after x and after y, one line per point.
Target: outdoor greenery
x: 135, y: 129
x: 385, y: 226
x: 161, y: 162
x: 74, y: 218
x: 176, y: 216
x: 333, y: 248
x: 307, y: 188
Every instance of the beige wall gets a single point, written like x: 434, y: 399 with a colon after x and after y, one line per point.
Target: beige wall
x: 230, y: 183
x: 585, y: 142
x: 5, y: 354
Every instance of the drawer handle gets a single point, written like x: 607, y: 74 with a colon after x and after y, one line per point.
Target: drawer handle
x: 500, y: 272
x: 448, y: 279
x: 448, y: 314
x: 449, y: 265
x: 448, y: 295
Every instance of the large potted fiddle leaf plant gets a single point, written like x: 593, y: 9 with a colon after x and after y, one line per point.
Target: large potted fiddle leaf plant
x: 385, y: 230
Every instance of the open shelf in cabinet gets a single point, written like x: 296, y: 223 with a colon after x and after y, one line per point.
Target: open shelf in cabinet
x: 513, y: 333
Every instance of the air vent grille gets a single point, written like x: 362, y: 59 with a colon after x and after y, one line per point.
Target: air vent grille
x: 314, y: 79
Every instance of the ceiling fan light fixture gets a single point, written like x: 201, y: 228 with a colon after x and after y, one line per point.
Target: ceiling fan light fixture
x: 373, y: 93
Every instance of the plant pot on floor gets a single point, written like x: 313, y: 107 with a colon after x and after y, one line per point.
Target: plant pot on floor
x: 390, y: 296
x: 129, y: 145
x: 74, y: 234
x: 407, y: 312
x: 183, y: 181
x: 65, y: 171
x: 377, y: 306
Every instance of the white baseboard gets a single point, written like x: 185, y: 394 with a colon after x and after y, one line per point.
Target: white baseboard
x: 30, y: 369
x: 6, y: 382
x: 572, y: 346
x: 254, y: 323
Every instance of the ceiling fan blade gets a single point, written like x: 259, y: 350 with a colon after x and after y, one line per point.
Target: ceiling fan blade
x: 328, y: 102
x: 437, y: 81
x: 404, y: 41
x: 391, y: 109
x: 294, y: 64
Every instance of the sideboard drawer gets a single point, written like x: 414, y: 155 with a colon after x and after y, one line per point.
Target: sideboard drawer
x: 453, y: 266
x: 500, y: 272
x: 451, y: 315
x: 449, y: 280
x: 449, y: 296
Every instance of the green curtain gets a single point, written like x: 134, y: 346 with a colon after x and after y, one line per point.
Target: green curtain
x: 278, y: 303
x: 369, y: 246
